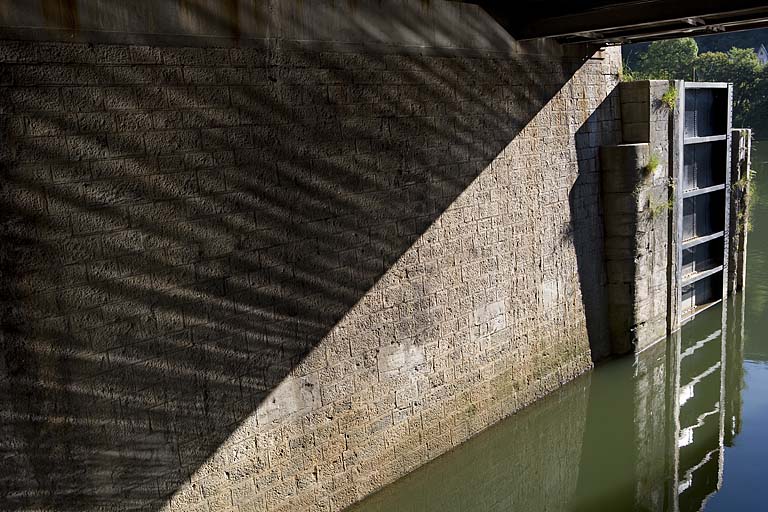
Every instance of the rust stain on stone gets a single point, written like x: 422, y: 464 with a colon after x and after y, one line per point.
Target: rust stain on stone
x: 61, y: 13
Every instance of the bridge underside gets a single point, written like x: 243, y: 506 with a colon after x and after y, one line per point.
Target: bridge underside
x: 615, y: 22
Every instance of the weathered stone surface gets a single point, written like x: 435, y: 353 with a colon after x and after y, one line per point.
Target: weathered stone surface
x: 741, y: 153
x: 637, y: 207
x: 293, y: 283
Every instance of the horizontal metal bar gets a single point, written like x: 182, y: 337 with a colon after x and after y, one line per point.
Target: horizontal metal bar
x: 708, y: 138
x: 701, y: 191
x: 698, y: 276
x: 669, y: 32
x: 682, y: 27
x: 706, y: 85
x: 693, y: 242
x: 566, y: 18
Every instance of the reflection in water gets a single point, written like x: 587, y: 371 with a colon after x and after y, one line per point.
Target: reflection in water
x: 642, y: 434
x: 668, y: 422
x: 485, y: 474
x: 678, y: 427
x: 699, y: 419
x: 746, y: 435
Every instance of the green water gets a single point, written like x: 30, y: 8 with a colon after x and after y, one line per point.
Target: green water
x: 682, y: 426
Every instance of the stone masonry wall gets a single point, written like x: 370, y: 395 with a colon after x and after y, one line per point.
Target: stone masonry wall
x: 280, y: 277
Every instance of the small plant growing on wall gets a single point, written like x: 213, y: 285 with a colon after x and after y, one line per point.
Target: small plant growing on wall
x: 655, y: 210
x: 746, y: 184
x: 669, y: 98
x: 654, y: 161
x: 626, y: 74
x: 743, y: 225
x: 747, y: 189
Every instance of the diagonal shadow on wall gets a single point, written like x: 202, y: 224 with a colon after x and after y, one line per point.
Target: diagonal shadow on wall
x: 180, y: 232
x: 586, y: 230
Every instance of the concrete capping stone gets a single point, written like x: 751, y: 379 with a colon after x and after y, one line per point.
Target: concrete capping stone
x: 30, y: 35
x: 445, y: 26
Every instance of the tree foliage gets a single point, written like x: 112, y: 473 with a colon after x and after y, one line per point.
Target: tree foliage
x: 719, y: 42
x: 741, y: 67
x: 722, y: 42
x: 666, y: 60
x: 679, y: 60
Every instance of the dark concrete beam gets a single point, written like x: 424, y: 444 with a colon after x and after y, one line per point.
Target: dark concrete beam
x: 614, y: 21
x: 665, y: 31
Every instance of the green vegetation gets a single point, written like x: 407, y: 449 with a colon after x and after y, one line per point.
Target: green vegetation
x: 682, y: 59
x: 743, y: 226
x: 655, y: 210
x: 711, y: 43
x: 653, y: 163
x: 669, y: 98
x: 747, y: 186
x: 742, y: 185
x: 667, y: 60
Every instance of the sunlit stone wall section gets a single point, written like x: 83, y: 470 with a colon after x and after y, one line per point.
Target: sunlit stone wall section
x: 279, y: 277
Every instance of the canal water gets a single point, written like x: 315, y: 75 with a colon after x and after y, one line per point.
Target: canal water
x: 682, y: 426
